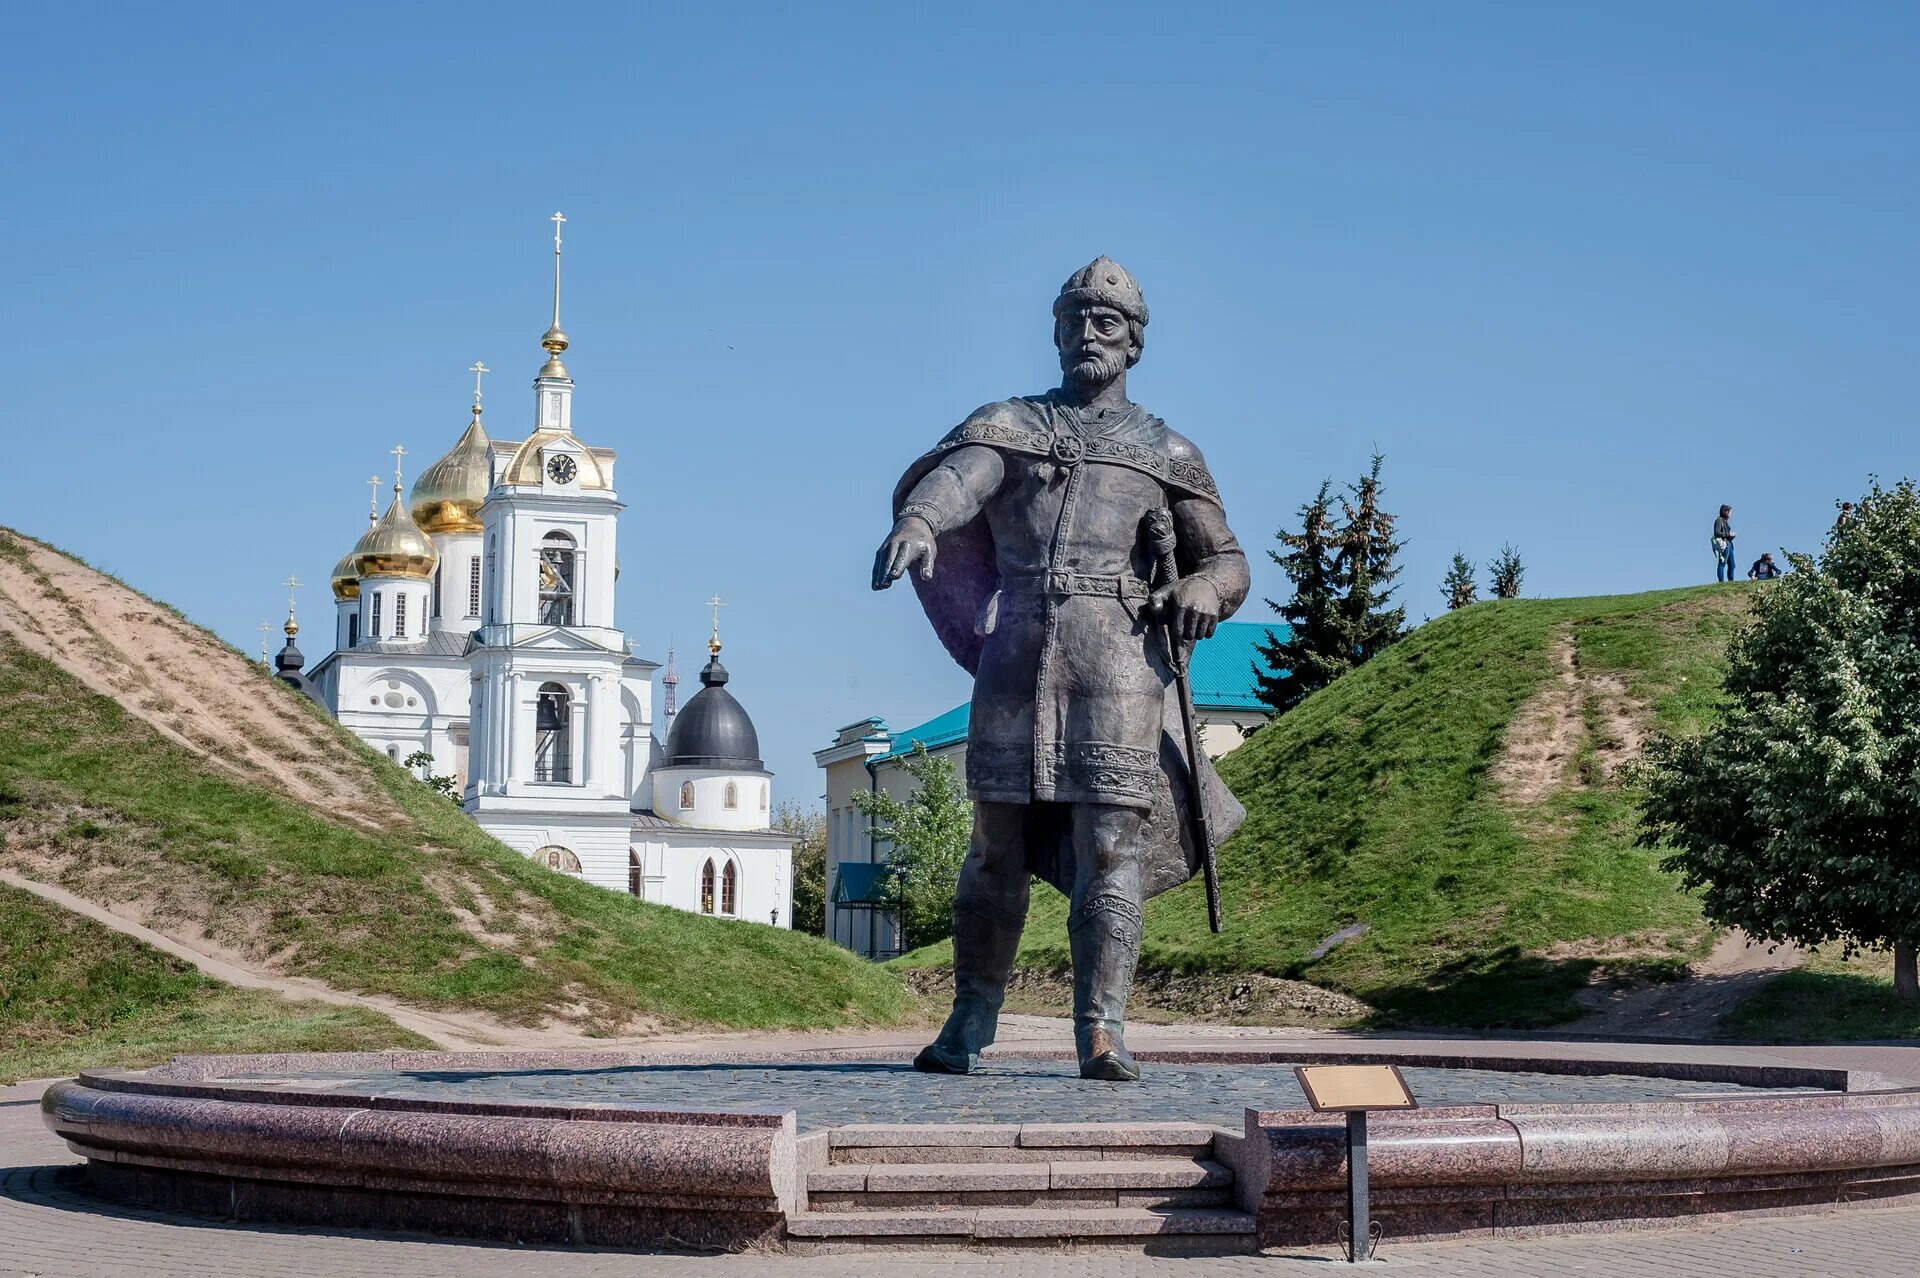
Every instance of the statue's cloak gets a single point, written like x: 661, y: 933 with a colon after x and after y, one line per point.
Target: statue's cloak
x: 967, y: 576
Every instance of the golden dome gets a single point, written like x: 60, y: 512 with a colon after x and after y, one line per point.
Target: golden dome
x: 395, y: 547
x: 524, y: 466
x: 448, y: 494
x: 346, y: 578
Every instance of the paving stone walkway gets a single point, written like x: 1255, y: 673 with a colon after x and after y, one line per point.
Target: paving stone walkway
x: 51, y: 1230
x: 1008, y: 1090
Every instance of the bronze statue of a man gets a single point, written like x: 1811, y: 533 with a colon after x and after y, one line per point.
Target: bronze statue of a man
x: 1024, y: 532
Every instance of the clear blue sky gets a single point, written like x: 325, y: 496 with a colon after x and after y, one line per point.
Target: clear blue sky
x: 1581, y: 272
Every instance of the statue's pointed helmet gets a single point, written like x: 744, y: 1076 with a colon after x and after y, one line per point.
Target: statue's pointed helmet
x: 1103, y: 282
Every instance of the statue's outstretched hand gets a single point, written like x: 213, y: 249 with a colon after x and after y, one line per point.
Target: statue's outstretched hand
x: 1189, y: 608
x: 910, y: 543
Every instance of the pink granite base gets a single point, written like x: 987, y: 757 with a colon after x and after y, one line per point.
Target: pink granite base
x: 586, y: 1175
x: 198, y: 1135
x: 1542, y: 1169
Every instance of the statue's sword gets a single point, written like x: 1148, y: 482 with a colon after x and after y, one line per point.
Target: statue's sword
x: 1160, y: 536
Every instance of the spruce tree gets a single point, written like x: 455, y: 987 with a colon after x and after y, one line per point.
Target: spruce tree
x: 1311, y: 656
x: 1507, y: 572
x: 1457, y: 586
x: 1364, y: 571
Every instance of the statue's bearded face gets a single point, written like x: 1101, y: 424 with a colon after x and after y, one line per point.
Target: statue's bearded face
x: 1096, y: 344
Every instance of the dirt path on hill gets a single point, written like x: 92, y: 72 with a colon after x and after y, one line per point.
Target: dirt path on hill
x: 452, y: 1031
x: 1692, y: 1006
x: 1571, y: 710
x: 188, y: 686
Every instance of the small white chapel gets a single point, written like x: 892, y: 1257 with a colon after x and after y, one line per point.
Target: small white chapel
x: 475, y: 625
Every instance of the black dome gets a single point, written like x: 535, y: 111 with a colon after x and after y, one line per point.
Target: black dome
x: 713, y: 731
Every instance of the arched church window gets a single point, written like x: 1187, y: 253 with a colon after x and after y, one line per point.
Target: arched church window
x: 732, y: 799
x: 706, y: 889
x: 438, y: 577
x: 373, y: 626
x: 557, y: 567
x: 473, y: 586
x: 633, y: 872
x: 553, y: 734
x: 353, y: 629
x: 686, y: 796
x: 490, y: 576
x: 763, y: 796
x: 555, y: 857
x: 730, y: 890
x: 400, y: 614
x: 393, y: 752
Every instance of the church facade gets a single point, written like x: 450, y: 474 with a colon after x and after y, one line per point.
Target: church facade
x: 475, y: 626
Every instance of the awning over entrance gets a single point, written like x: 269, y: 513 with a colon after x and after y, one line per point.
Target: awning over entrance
x: 861, y: 885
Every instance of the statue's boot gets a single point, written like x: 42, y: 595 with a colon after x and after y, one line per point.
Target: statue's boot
x: 1105, y: 936
x: 986, y: 936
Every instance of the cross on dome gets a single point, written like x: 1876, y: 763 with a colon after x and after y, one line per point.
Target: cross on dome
x: 399, y: 452
x: 373, y: 501
x: 554, y: 340
x: 479, y: 370
x: 713, y: 644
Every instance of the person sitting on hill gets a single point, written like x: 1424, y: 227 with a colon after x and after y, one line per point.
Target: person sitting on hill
x: 1764, y: 569
x: 1723, y: 564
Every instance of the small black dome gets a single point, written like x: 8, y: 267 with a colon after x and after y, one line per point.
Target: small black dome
x: 713, y: 730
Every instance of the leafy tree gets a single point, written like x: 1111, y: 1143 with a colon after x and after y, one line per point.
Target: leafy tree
x: 1312, y: 655
x: 1457, y: 586
x: 928, y: 832
x: 809, y: 828
x: 1507, y: 572
x: 1796, y: 816
x: 420, y: 764
x: 1365, y: 569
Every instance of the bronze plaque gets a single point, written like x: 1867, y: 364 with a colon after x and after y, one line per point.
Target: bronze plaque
x: 1343, y: 1088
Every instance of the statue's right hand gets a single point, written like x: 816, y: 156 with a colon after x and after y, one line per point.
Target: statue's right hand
x: 910, y: 543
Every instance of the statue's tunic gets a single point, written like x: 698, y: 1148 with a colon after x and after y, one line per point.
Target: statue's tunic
x: 1041, y: 582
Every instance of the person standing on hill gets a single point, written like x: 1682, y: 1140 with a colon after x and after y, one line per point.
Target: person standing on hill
x: 1724, y: 568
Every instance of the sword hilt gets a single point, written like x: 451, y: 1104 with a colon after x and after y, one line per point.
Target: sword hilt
x: 1160, y: 540
x: 1162, y: 544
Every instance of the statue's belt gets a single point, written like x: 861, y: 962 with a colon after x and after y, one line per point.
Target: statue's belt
x: 1069, y: 449
x: 1074, y: 583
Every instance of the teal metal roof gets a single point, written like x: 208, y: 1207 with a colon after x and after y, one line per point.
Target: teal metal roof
x: 1222, y: 672
x: 1222, y: 667
x: 860, y: 883
x: 941, y: 730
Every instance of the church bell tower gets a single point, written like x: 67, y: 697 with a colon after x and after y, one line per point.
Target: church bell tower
x: 554, y: 701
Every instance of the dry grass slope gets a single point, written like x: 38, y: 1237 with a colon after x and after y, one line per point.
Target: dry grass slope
x: 153, y: 769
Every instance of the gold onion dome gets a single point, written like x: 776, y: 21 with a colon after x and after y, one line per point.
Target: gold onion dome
x: 448, y: 494
x: 395, y: 547
x: 346, y: 577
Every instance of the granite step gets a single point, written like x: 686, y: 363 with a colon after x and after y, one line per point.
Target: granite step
x: 1213, y: 1229
x: 963, y: 1186
x: 872, y: 1143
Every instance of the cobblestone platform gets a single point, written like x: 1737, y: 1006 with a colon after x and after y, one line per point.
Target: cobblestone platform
x: 832, y: 1094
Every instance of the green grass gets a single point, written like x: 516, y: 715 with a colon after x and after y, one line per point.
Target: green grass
x: 75, y: 994
x: 1371, y: 802
x: 93, y: 797
x: 1826, y: 999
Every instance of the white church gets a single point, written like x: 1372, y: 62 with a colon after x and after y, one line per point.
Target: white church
x: 475, y: 622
